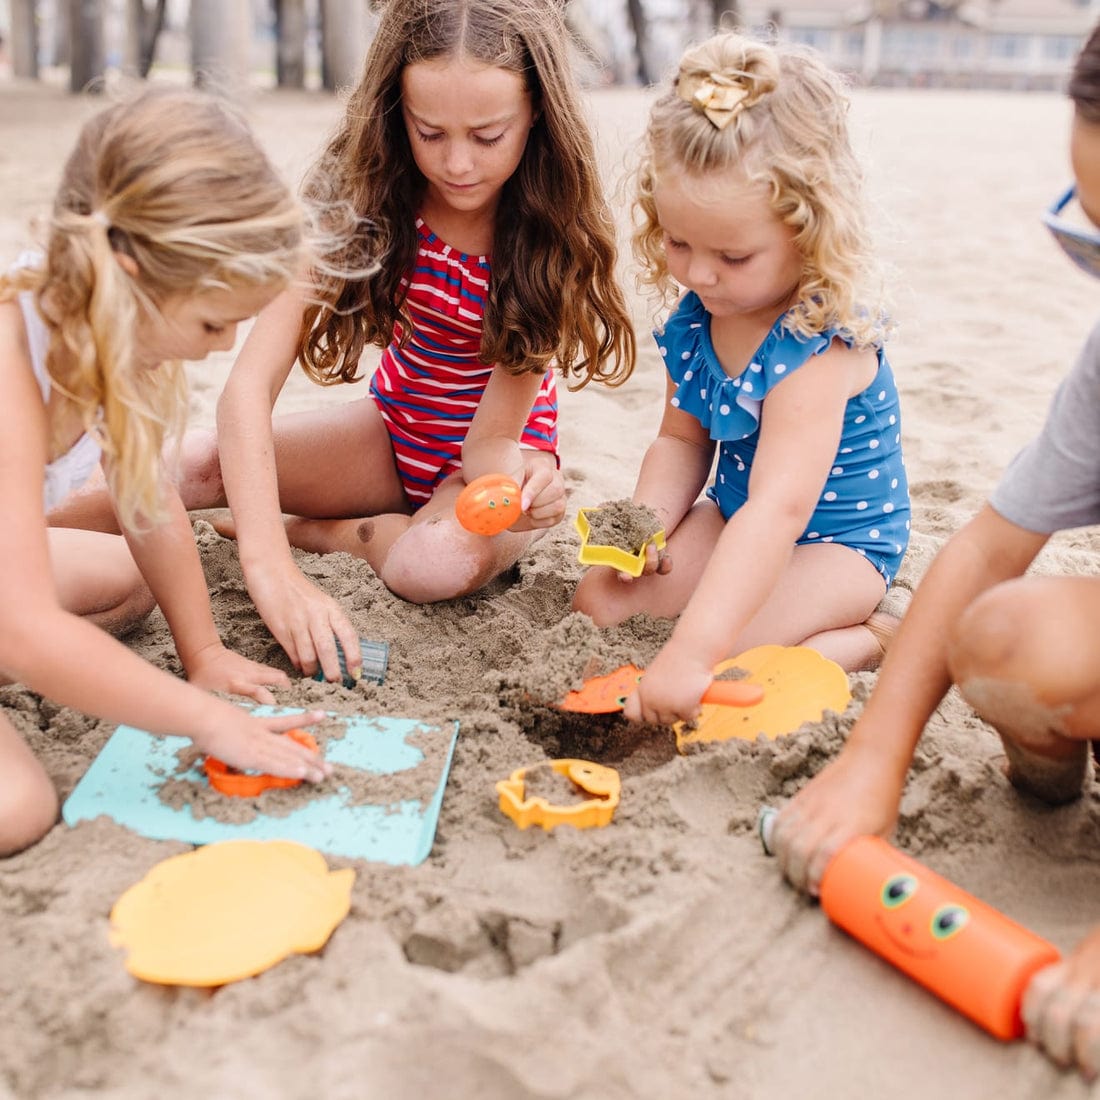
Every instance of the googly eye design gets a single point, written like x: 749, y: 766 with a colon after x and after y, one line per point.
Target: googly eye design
x: 948, y: 921
x: 897, y: 890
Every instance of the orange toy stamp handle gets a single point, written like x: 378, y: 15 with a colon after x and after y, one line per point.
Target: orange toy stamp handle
x: 966, y: 952
x: 246, y: 785
x: 606, y: 694
x: 489, y: 504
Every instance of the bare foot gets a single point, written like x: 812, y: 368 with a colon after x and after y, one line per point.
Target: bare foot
x: 224, y: 524
x: 1055, y: 780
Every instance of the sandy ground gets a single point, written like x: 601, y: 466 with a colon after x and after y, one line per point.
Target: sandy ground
x: 662, y: 956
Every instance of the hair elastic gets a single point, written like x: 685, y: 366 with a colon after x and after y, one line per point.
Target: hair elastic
x: 100, y: 218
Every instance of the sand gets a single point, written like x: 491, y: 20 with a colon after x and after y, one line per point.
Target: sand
x: 662, y: 956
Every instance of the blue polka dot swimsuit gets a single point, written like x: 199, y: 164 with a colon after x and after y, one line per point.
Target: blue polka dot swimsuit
x: 865, y: 501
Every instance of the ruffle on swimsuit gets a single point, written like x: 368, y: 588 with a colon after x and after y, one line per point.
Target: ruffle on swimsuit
x: 729, y: 408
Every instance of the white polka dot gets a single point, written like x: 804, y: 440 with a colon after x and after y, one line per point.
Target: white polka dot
x: 872, y: 474
x: 663, y: 351
x: 860, y: 550
x: 888, y: 507
x: 897, y: 547
x: 689, y: 375
x: 737, y: 382
x: 893, y: 483
x: 827, y: 538
x: 780, y: 368
x: 873, y: 444
x: 861, y: 505
x: 695, y: 324
x: 860, y: 419
x: 747, y: 387
x: 685, y: 355
x: 703, y: 394
x: 813, y: 534
x: 837, y: 470
x: 829, y: 496
x: 845, y: 450
x: 882, y: 395
x: 893, y: 419
x: 756, y: 368
x: 897, y: 438
x: 675, y: 402
x: 873, y: 532
x: 724, y: 410
x: 906, y: 526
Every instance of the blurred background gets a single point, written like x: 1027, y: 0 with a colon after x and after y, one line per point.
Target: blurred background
x: 319, y: 44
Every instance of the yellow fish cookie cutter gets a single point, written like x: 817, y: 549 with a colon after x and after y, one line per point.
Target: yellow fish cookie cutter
x: 594, y: 779
x: 613, y: 556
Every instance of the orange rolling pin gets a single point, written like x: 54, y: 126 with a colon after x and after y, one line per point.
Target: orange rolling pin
x: 966, y: 952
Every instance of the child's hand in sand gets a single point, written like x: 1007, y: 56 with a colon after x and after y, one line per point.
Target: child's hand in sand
x: 254, y: 743
x: 857, y: 794
x: 671, y: 690
x: 1061, y: 1008
x: 217, y: 668
x: 305, y: 621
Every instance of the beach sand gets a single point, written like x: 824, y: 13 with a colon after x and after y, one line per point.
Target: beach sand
x: 662, y: 956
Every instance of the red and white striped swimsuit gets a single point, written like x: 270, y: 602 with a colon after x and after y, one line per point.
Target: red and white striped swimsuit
x: 428, y: 391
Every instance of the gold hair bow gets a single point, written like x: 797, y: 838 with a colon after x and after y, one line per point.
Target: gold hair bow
x: 714, y: 95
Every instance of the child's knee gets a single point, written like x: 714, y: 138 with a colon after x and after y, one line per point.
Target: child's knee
x: 200, y: 470
x: 430, y: 562
x: 992, y: 637
x: 30, y: 810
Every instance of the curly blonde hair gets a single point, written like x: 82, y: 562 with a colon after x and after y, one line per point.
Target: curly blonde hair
x: 553, y: 296
x: 176, y: 181
x: 791, y: 136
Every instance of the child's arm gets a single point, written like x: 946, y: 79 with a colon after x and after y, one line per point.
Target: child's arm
x: 492, y: 446
x: 170, y: 564
x: 673, y: 471
x: 860, y: 791
x: 800, y: 427
x: 303, y: 619
x: 75, y: 663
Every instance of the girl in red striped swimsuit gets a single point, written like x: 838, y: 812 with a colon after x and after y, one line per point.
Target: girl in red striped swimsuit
x: 465, y: 156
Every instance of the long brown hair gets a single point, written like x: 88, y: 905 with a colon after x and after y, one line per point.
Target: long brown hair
x: 553, y: 297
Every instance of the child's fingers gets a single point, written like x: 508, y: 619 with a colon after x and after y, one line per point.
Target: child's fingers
x: 1086, y: 1038
x: 283, y: 723
x: 252, y: 690
x: 285, y: 757
x: 1049, y: 1006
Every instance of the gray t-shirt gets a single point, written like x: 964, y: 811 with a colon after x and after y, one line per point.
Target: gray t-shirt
x: 1054, y: 482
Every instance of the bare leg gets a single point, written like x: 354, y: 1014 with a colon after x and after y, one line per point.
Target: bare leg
x: 88, y: 508
x: 1026, y: 656
x: 422, y: 558
x: 857, y: 648
x: 28, y: 801
x: 97, y: 578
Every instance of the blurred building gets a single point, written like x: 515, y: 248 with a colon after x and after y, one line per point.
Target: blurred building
x: 965, y: 43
